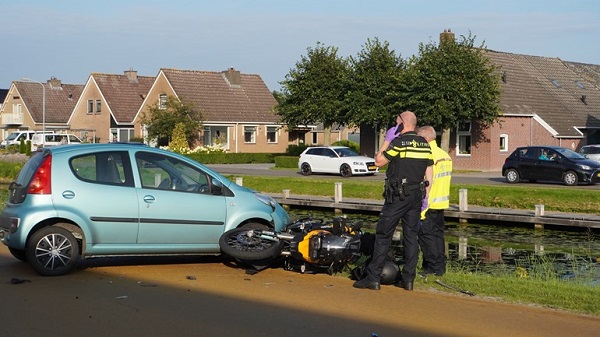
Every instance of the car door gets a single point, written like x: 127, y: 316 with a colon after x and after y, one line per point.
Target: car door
x: 553, y: 168
x: 528, y: 163
x: 98, y: 188
x: 331, y: 161
x: 177, y: 209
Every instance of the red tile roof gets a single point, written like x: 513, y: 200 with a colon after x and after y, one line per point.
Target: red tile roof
x: 124, y: 94
x: 530, y: 89
x: 60, y: 100
x: 227, y: 96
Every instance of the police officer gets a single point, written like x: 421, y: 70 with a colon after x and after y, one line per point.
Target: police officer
x: 410, y: 159
x: 431, y: 236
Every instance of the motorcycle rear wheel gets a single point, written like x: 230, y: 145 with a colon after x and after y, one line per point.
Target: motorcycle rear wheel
x: 246, y: 244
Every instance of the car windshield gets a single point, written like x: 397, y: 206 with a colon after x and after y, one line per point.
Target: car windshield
x: 12, y: 136
x: 569, y: 154
x: 345, y: 152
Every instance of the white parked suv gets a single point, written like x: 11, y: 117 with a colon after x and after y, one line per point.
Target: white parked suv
x: 591, y: 151
x: 335, y: 159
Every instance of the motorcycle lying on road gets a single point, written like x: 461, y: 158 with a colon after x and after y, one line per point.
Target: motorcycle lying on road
x: 306, y: 245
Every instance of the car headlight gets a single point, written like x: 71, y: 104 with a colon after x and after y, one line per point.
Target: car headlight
x: 585, y: 167
x: 267, y: 200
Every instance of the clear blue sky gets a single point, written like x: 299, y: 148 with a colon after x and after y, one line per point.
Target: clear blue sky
x: 70, y: 39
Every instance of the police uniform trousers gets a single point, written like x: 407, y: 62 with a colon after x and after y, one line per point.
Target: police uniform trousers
x: 407, y: 209
x: 431, y: 239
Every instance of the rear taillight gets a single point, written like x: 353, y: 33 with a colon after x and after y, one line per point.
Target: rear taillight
x: 41, y: 182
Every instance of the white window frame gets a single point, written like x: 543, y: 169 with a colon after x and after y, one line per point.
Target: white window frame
x: 98, y: 106
x: 120, y: 134
x: 17, y: 108
x: 250, y: 130
x: 90, y: 106
x: 463, y: 134
x: 214, y: 132
x: 503, y: 142
x: 274, y: 130
x: 162, y: 101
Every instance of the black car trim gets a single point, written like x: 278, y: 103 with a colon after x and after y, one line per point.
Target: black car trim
x: 183, y: 222
x: 111, y: 219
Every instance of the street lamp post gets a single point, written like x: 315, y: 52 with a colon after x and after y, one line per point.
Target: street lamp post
x: 43, y: 107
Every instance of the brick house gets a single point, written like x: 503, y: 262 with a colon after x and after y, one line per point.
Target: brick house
x: 37, y: 106
x: 237, y: 109
x: 107, y: 107
x: 544, y: 101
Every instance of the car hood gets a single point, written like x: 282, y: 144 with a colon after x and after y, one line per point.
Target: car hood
x: 359, y: 158
x: 588, y: 162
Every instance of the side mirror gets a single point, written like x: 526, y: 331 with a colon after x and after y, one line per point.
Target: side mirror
x: 217, y: 186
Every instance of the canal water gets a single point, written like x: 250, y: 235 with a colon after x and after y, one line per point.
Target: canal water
x: 499, y: 248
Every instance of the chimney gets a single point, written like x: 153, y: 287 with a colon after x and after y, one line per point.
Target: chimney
x: 55, y: 83
x: 233, y: 77
x: 446, y: 36
x: 131, y: 75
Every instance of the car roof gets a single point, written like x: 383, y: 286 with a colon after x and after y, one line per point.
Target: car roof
x: 83, y: 147
x: 591, y: 145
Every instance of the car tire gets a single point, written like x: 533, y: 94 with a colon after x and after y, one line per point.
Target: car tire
x: 512, y: 176
x: 345, y: 170
x: 570, y: 178
x: 305, y: 169
x: 52, y: 251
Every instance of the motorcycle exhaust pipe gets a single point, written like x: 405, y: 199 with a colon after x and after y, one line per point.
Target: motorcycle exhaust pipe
x: 285, y: 236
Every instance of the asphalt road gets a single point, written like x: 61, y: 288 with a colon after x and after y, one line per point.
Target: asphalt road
x: 478, y: 178
x: 206, y: 296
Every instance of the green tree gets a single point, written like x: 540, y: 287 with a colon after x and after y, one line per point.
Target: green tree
x: 452, y: 83
x: 314, y: 91
x: 179, y: 141
x: 161, y: 121
x: 374, y: 88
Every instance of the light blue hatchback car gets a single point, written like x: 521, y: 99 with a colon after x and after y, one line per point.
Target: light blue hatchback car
x: 90, y: 200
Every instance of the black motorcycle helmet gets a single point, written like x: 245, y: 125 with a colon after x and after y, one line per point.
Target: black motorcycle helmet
x: 389, y: 273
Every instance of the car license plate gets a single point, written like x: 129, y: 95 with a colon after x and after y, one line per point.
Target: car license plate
x: 373, y: 168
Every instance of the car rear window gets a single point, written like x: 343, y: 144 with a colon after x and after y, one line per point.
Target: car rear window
x: 103, y: 168
x: 590, y: 150
x: 29, y: 168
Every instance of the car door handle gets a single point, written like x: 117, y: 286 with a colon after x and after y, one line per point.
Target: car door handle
x: 149, y: 199
x: 68, y: 194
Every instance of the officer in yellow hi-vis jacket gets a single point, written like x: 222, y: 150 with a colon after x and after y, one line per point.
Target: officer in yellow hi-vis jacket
x: 431, y: 235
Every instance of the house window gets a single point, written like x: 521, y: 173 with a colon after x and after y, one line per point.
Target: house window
x: 249, y: 134
x: 90, y: 108
x: 463, y: 138
x: 271, y: 134
x: 98, y: 106
x: 162, y: 101
x: 17, y: 108
x: 121, y: 134
x: 216, y: 136
x: 503, y: 143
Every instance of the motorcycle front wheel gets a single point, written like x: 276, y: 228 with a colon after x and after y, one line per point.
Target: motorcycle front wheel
x: 247, y: 244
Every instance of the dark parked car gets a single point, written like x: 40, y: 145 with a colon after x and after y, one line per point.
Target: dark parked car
x: 550, y: 163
